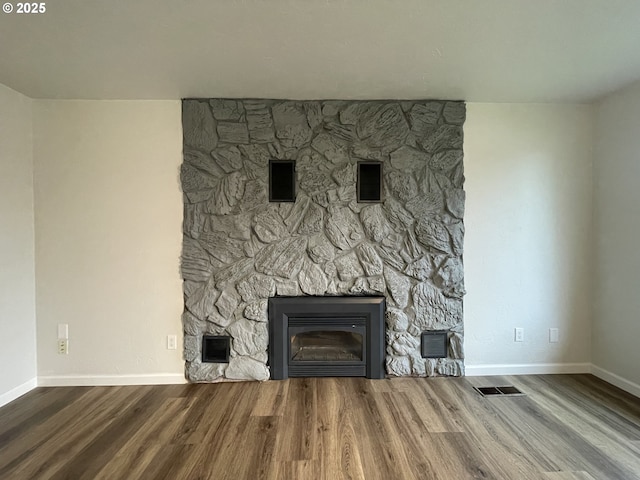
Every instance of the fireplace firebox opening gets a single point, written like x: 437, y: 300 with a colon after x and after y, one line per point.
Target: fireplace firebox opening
x: 326, y: 337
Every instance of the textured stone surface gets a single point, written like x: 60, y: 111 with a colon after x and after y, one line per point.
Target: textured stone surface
x: 233, y: 132
x: 287, y: 288
x: 282, y: 258
x: 201, y: 302
x: 432, y: 233
x: 198, y: 125
x: 333, y: 148
x: 455, y: 202
x: 314, y: 113
x: 369, y: 259
x: 227, y: 302
x: 348, y: 266
x: 374, y: 222
x: 450, y: 274
x: 382, y: 125
x: 399, y: 217
x: 313, y: 221
x: 408, y: 159
x: 239, y: 249
x: 402, y: 185
x: 423, y: 117
x: 196, y: 265
x: 255, y: 196
x: 227, y: 194
x: 445, y: 161
x: 401, y: 343
x: 269, y: 227
x: 248, y: 337
x: 320, y: 249
x: 290, y: 120
x: 228, y: 159
x: 445, y: 138
x: 433, y: 310
x: 260, y: 123
x: 226, y: 109
x: 246, y: 368
x: 194, y: 179
x: 343, y: 228
x: 191, y: 324
x: 398, y: 366
x: 454, y: 112
x: 397, y: 320
x: 426, y: 204
x: 191, y: 347
x: 257, y: 311
x: 312, y: 279
x: 205, y: 372
x: 398, y: 286
x: 255, y: 287
x: 421, y: 269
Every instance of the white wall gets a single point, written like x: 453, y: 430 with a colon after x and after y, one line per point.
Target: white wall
x: 616, y: 333
x: 528, y: 245
x: 108, y: 232
x: 108, y: 238
x: 17, y: 274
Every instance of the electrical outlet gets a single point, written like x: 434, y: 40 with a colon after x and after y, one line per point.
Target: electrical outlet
x: 63, y: 346
x: 554, y: 335
x: 519, y: 335
x: 172, y: 342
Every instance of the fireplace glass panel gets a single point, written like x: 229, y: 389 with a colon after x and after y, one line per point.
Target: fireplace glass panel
x: 339, y: 346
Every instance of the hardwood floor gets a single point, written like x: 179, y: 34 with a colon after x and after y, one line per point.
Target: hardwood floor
x: 567, y: 427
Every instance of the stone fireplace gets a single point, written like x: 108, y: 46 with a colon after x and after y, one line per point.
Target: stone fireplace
x: 240, y: 249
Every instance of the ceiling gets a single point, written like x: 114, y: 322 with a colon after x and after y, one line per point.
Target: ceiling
x: 475, y: 50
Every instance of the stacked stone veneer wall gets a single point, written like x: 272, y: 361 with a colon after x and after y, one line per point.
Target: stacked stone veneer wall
x: 239, y: 249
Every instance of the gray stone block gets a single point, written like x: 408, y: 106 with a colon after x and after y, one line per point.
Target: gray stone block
x: 369, y: 259
x: 198, y: 125
x: 246, y: 368
x: 231, y: 110
x: 454, y: 112
x: 312, y: 279
x: 343, y: 228
x: 290, y: 120
x: 374, y: 222
x: 398, y: 286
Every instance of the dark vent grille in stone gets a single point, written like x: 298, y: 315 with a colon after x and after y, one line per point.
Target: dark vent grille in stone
x: 369, y: 181
x: 215, y: 349
x: 282, y: 181
x: 434, y: 344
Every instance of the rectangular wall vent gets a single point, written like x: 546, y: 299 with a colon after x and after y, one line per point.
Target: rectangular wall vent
x: 434, y: 344
x: 216, y: 348
x: 282, y: 180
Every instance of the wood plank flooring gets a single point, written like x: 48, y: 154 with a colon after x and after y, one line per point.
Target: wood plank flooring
x: 567, y: 427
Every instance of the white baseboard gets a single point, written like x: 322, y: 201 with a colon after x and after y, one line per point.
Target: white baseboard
x: 526, y: 369
x: 617, y: 380
x: 18, y: 391
x: 110, y: 380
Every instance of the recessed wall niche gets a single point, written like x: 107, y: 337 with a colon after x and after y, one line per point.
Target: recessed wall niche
x: 216, y: 348
x: 369, y: 183
x: 282, y: 180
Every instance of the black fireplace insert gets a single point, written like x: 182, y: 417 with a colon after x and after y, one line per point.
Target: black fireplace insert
x: 326, y: 337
